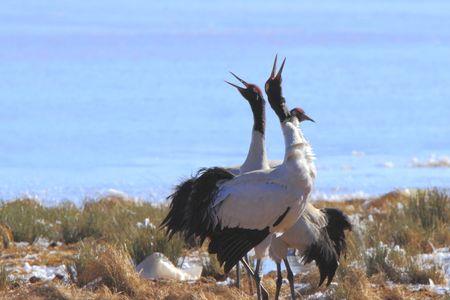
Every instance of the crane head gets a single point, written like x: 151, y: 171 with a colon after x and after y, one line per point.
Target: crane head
x: 300, y: 114
x: 252, y: 93
x: 274, y: 92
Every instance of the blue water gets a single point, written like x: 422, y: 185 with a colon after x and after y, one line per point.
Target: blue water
x: 129, y: 95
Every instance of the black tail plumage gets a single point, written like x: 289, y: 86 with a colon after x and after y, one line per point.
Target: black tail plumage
x: 204, y: 189
x: 189, y: 204
x: 190, y: 214
x: 327, y: 250
x: 338, y: 222
x: 325, y: 256
x: 176, y: 221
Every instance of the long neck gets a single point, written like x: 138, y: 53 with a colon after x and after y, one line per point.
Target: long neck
x: 259, y: 117
x: 292, y: 133
x: 278, y: 104
x: 257, y: 156
x: 295, y: 143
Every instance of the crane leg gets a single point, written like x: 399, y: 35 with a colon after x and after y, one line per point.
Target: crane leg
x: 261, y: 289
x: 249, y: 275
x: 238, y: 275
x: 258, y: 279
x: 290, y: 277
x: 279, y: 281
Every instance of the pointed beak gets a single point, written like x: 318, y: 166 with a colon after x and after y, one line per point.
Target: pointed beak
x: 281, y: 70
x: 307, y: 118
x: 241, y: 80
x: 240, y: 89
x: 274, y: 68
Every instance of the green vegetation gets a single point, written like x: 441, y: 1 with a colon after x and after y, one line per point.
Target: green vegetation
x: 107, y: 234
x: 420, y: 221
x: 116, y: 220
x: 386, y: 240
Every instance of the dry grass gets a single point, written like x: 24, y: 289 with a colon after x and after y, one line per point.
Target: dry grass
x: 57, y: 291
x: 104, y: 264
x: 154, y: 290
x: 28, y: 219
x: 392, y: 230
x: 413, y: 223
x: 353, y: 284
x: 6, y: 236
x: 111, y: 218
x: 4, y: 280
x: 115, y: 220
x: 389, y: 232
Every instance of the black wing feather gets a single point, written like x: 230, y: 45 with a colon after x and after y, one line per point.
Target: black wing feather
x: 231, y: 244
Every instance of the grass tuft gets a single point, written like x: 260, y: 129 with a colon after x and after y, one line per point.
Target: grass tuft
x: 412, y: 224
x: 4, y: 278
x: 104, y: 264
x: 389, y: 232
x: 27, y: 219
x: 118, y: 220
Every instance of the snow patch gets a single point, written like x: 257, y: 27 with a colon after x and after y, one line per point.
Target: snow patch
x: 44, y: 273
x: 339, y: 197
x: 227, y: 282
x: 440, y: 257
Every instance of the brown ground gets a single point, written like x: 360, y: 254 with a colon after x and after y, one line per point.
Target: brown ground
x: 119, y: 281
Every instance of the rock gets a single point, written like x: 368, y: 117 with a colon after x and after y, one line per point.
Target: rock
x: 157, y: 266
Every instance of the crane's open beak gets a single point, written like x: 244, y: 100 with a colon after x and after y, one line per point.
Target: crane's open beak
x: 241, y: 80
x: 274, y: 68
x: 240, y: 89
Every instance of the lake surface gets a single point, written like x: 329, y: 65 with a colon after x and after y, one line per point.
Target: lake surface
x: 130, y: 96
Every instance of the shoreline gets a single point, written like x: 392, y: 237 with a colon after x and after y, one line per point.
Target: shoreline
x: 159, y: 198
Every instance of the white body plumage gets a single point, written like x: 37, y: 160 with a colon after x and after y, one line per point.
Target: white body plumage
x: 268, y: 194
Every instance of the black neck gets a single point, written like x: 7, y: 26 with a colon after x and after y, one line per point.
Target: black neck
x: 259, y: 116
x: 278, y: 104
